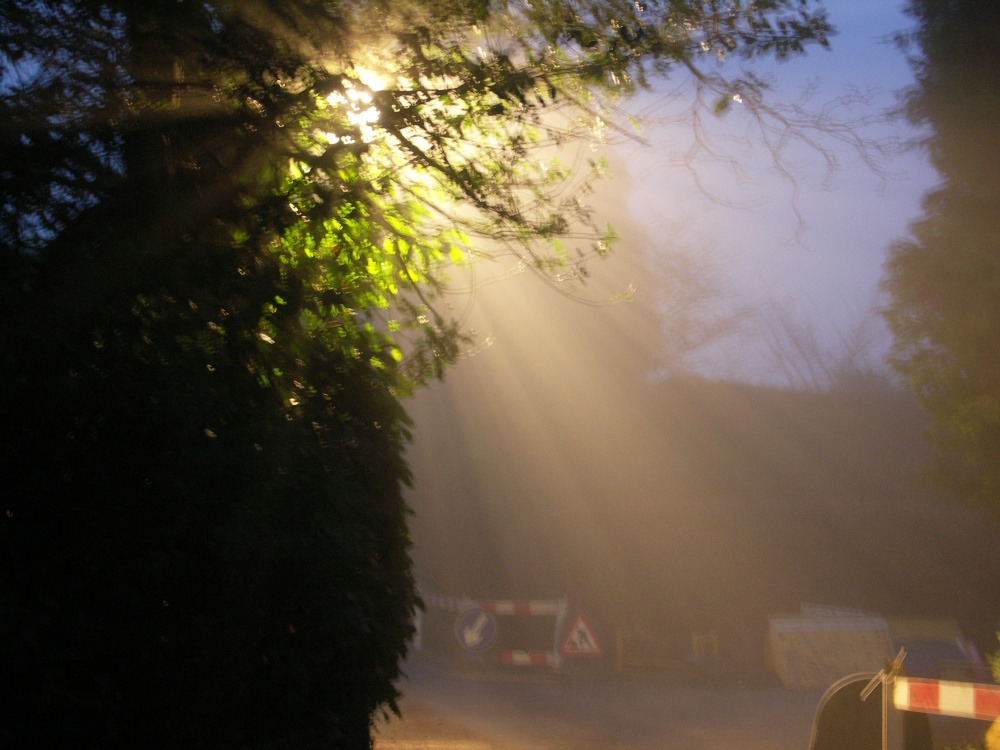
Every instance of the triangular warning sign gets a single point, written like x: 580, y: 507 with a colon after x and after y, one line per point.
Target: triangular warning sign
x: 580, y: 640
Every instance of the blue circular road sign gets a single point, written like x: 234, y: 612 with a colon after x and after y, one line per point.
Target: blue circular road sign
x: 476, y: 629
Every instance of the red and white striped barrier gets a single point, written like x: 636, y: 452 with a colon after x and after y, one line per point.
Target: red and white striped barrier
x: 527, y: 658
x: 522, y: 606
x: 441, y: 601
x: 518, y: 657
x: 947, y: 698
x: 519, y: 607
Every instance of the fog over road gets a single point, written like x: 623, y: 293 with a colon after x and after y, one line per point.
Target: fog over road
x: 442, y: 711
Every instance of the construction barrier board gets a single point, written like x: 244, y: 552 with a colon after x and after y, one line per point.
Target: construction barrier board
x: 967, y: 699
x: 507, y: 632
x: 814, y: 652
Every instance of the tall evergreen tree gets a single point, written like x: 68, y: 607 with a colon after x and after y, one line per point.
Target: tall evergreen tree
x: 944, y: 281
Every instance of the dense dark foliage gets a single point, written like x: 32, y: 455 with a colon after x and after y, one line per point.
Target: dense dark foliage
x: 944, y: 280
x: 218, y: 275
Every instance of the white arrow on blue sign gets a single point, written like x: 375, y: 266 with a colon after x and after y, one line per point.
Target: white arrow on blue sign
x: 476, y: 629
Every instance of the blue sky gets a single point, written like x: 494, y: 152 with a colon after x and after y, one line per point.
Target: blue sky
x: 825, y: 268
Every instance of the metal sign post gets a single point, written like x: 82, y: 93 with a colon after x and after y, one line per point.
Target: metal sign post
x: 885, y: 677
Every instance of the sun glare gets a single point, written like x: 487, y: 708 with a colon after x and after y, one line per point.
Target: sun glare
x: 371, y: 79
x: 352, y: 101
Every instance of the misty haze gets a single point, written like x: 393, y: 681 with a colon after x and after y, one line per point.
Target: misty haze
x: 680, y: 468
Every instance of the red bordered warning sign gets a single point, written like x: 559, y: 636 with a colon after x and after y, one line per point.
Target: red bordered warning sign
x: 580, y: 640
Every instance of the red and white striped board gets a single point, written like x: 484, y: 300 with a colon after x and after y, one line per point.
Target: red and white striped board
x: 522, y: 606
x: 527, y: 658
x: 966, y: 699
x: 441, y: 601
x: 519, y: 607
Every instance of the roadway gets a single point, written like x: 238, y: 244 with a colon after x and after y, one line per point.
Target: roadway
x: 508, y: 711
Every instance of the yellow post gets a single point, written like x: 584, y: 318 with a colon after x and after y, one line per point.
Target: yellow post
x: 619, y: 647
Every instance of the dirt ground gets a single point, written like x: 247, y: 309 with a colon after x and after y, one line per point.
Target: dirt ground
x: 422, y: 729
